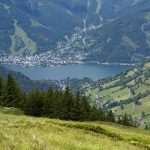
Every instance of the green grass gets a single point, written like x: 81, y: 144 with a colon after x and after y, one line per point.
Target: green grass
x: 121, y: 94
x: 110, y: 91
x: 114, y: 93
x: 135, y: 110
x: 20, y: 35
x: 128, y: 109
x: 12, y: 110
x: 110, y: 83
x: 29, y: 133
x: 147, y: 118
x: 147, y: 65
x: 142, y: 89
x: 145, y: 106
x: 131, y: 72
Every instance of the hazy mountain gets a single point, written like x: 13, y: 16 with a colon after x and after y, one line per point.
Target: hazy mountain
x: 26, y: 83
x: 35, y: 26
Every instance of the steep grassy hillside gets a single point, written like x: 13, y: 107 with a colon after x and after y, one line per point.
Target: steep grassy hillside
x: 22, y: 132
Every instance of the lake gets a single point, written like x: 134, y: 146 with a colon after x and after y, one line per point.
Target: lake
x: 93, y: 71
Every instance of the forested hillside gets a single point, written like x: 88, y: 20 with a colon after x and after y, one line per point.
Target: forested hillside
x: 127, y: 93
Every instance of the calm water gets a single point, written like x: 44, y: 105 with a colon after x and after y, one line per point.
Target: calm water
x: 93, y: 71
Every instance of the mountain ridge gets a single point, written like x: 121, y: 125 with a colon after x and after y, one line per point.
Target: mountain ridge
x: 26, y: 83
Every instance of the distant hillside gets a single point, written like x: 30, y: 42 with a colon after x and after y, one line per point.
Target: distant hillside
x: 125, y: 39
x: 91, y: 30
x: 22, y: 132
x: 126, y: 93
x: 26, y: 83
x: 122, y: 39
x: 28, y: 27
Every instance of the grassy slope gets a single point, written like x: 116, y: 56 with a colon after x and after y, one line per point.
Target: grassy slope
x: 28, y: 133
x: 145, y: 102
x: 29, y: 44
x: 118, y: 93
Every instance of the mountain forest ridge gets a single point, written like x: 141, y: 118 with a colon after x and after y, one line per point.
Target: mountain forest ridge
x: 49, y: 31
x: 26, y: 83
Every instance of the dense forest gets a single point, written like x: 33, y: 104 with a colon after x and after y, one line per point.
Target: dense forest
x: 60, y: 104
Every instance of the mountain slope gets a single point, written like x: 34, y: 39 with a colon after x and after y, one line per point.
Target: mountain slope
x: 126, y: 93
x: 125, y: 39
x: 32, y: 26
x: 26, y: 83
x: 22, y: 132
x: 88, y: 30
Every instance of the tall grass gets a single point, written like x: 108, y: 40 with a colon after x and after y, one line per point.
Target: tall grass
x: 28, y: 133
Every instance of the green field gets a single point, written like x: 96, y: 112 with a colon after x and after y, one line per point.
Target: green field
x: 19, y: 132
x: 135, y: 110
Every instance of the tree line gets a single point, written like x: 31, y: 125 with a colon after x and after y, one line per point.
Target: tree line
x: 53, y: 104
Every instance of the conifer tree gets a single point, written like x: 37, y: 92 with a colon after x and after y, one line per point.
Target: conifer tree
x: 110, y: 116
x: 101, y: 115
x: 119, y: 121
x: 34, y: 104
x: 146, y: 127
x: 67, y: 104
x: 125, y: 120
x: 94, y: 115
x: 12, y: 93
x: 85, y: 109
x: 1, y: 90
x: 57, y: 96
x: 76, y: 109
x: 22, y: 104
x: 48, y: 107
x: 1, y: 85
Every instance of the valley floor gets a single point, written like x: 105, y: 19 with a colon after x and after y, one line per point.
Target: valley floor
x: 19, y: 132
